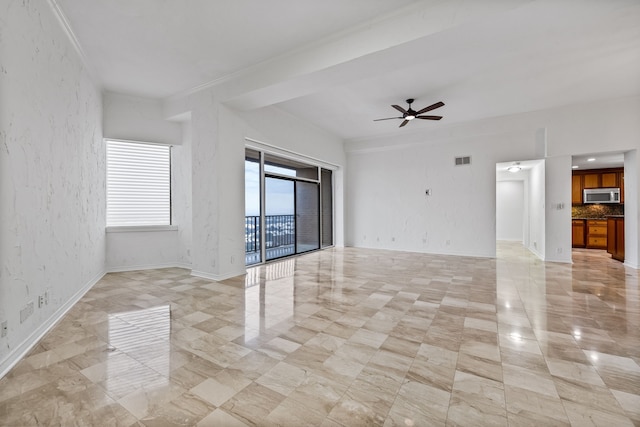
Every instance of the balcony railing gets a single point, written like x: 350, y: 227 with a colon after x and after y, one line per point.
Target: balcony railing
x: 279, y: 231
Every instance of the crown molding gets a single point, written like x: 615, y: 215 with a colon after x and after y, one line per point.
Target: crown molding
x: 66, y: 27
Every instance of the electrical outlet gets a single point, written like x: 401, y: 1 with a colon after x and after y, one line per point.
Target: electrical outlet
x: 40, y: 301
x: 3, y: 329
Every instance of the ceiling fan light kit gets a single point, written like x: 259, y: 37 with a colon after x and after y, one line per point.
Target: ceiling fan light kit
x: 410, y: 114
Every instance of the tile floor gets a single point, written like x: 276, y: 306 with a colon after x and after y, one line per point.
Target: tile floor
x: 345, y: 337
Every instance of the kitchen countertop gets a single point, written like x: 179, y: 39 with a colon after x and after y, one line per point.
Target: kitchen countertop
x: 600, y: 218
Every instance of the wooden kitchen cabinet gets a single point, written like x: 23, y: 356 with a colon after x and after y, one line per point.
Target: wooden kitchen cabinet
x: 592, y: 180
x: 578, y: 233
x: 609, y: 180
x: 621, y: 182
x: 596, y: 234
x: 615, y: 238
x: 576, y: 189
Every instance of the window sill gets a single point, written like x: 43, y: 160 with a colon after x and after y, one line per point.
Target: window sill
x: 137, y: 228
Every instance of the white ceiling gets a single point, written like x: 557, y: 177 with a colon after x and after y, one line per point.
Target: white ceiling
x: 502, y: 174
x: 340, y: 63
x: 598, y: 161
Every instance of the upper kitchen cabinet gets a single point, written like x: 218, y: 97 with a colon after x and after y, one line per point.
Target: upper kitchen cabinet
x: 610, y: 180
x: 576, y: 189
x: 592, y: 180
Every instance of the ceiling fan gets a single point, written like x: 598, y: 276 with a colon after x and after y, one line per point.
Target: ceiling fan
x: 409, y: 114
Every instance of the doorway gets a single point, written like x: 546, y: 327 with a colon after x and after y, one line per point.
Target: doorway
x: 520, y: 194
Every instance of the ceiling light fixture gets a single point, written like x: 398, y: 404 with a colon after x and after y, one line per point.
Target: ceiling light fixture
x: 591, y: 159
x: 515, y: 167
x: 410, y: 117
x: 575, y: 167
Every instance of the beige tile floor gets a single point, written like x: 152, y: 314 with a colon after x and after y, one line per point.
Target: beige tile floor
x: 345, y: 337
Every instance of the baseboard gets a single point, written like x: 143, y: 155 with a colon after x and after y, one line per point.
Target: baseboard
x: 536, y: 253
x: 23, y: 348
x: 217, y: 277
x: 631, y: 265
x: 147, y: 267
x: 426, y: 252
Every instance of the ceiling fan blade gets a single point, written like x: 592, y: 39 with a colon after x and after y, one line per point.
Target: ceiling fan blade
x: 429, y: 117
x: 388, y: 118
x: 431, y: 107
x: 403, y: 123
x: 399, y: 108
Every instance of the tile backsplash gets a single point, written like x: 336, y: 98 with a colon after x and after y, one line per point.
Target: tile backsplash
x: 596, y: 210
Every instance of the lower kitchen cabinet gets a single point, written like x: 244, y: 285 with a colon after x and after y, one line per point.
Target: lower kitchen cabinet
x: 597, y: 233
x: 578, y: 233
x: 615, y: 238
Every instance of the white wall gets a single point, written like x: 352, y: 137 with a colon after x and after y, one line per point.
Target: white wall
x: 181, y: 160
x: 138, y: 119
x: 387, y: 206
x: 558, y: 211
x: 510, y: 210
x: 140, y: 250
x: 52, y: 184
x: 537, y: 210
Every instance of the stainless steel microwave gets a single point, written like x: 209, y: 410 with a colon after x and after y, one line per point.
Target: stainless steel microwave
x: 601, y: 195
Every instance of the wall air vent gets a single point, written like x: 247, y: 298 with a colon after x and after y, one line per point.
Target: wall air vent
x: 464, y: 160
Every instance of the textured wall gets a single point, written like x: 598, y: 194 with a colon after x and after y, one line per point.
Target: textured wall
x: 52, y: 161
x: 510, y: 210
x: 181, y: 194
x: 386, y: 203
x: 139, y: 250
x: 138, y: 119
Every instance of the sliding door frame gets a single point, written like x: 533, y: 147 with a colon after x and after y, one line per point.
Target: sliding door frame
x: 264, y: 174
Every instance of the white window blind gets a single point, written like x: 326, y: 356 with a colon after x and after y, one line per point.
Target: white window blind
x: 138, y: 184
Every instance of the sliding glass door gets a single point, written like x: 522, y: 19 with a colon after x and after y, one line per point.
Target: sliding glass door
x: 307, y: 216
x: 295, y: 207
x: 326, y: 201
x: 280, y: 224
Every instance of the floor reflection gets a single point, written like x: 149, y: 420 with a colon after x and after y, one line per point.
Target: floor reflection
x: 135, y: 338
x: 269, y: 296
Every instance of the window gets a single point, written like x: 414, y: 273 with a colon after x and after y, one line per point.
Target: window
x: 138, y: 184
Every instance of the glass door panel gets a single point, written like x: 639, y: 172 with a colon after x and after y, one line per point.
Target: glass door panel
x: 253, y: 251
x: 327, y: 207
x: 307, y: 216
x: 280, y: 223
